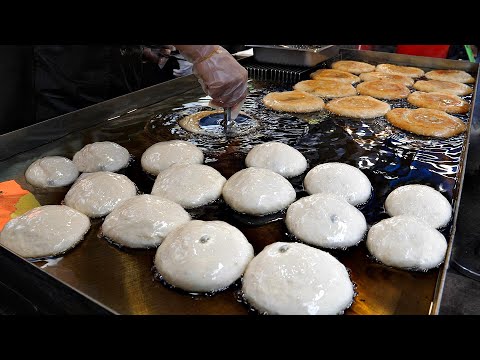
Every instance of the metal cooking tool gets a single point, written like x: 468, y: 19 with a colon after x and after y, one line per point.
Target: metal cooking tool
x: 227, y: 120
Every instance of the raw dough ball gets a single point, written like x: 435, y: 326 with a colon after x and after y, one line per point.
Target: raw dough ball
x: 101, y: 156
x: 45, y: 231
x: 296, y: 279
x: 203, y: 256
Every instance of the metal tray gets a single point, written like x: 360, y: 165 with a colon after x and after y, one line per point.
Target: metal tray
x: 293, y: 55
x: 122, y: 281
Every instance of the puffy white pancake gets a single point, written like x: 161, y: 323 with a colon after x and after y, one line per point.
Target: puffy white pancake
x: 410, y: 71
x: 97, y: 194
x: 326, y: 220
x: 161, y: 155
x: 51, y: 171
x: 278, y: 157
x: 358, y: 107
x: 203, y: 256
x: 297, y: 279
x: 190, y: 185
x: 408, y: 243
x: 143, y: 221
x: 257, y: 191
x: 354, y: 67
x: 339, y: 179
x: 45, y: 231
x: 420, y: 201
x: 401, y: 79
x: 293, y: 101
x: 451, y: 75
x: 101, y: 156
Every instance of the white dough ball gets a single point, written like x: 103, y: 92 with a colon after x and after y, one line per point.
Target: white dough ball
x: 97, y: 194
x: 406, y: 242
x: 278, y: 157
x: 326, y: 220
x: 45, y: 231
x: 339, y: 179
x: 162, y: 155
x: 143, y: 221
x: 203, y: 256
x: 101, y: 156
x: 51, y: 171
x: 258, y: 191
x: 190, y: 185
x: 420, y: 201
x: 297, y: 279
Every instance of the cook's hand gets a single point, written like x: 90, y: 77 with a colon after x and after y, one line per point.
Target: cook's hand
x: 220, y: 75
x: 158, y: 55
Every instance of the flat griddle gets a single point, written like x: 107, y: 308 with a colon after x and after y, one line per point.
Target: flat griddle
x: 123, y: 281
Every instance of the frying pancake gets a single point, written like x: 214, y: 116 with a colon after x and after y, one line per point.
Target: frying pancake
x: 401, y: 79
x: 101, y: 156
x: 326, y: 88
x: 407, y: 243
x: 297, y: 279
x: 343, y: 76
x: 203, y: 256
x: 427, y: 122
x: 450, y: 75
x: 293, y: 101
x: 361, y: 107
x: 416, y: 200
x: 51, y: 171
x: 383, y: 89
x: 354, y: 67
x: 447, y: 87
x: 435, y: 100
x: 413, y: 72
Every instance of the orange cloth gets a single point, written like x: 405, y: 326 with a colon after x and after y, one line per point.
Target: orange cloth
x: 11, y: 196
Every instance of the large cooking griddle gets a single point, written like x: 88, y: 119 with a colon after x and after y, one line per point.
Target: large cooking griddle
x: 122, y: 281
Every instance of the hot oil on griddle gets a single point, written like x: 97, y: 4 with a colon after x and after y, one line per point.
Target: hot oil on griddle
x: 388, y: 156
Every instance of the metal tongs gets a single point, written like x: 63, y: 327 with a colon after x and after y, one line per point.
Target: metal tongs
x: 227, y: 121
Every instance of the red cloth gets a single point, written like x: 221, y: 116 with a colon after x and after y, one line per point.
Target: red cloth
x: 438, y: 51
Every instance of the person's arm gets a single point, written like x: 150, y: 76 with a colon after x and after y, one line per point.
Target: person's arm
x: 220, y: 75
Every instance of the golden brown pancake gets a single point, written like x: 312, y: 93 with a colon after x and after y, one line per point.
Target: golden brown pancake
x: 413, y: 72
x: 435, y: 100
x: 401, y: 79
x: 326, y: 88
x: 191, y: 122
x: 426, y: 122
x: 360, y: 107
x: 383, y: 89
x: 293, y: 101
x: 354, y: 67
x: 333, y: 74
x: 447, y: 87
x: 450, y: 75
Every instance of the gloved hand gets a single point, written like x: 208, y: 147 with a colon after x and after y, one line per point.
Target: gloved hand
x: 158, y: 54
x: 220, y: 75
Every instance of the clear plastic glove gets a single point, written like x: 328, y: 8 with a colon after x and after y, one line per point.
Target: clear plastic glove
x: 220, y: 75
